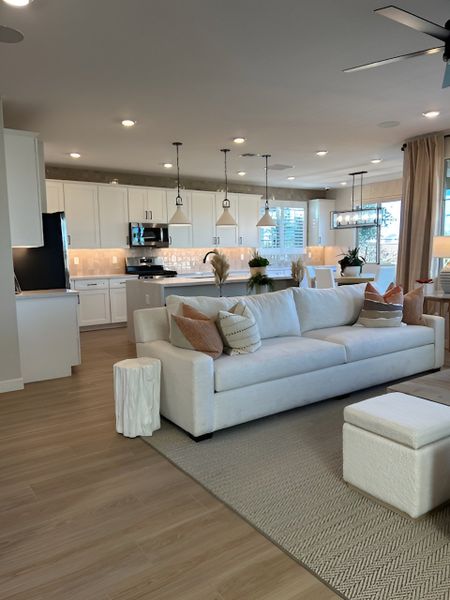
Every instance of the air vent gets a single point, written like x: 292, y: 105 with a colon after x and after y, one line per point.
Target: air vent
x: 250, y: 155
x: 277, y: 167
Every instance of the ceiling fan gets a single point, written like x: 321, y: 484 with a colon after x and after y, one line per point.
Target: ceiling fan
x: 419, y: 24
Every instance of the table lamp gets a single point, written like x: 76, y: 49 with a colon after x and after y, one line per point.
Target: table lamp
x: 441, y: 249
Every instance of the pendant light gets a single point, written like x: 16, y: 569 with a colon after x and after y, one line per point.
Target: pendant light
x: 226, y: 219
x: 356, y: 217
x: 266, y: 220
x: 179, y: 217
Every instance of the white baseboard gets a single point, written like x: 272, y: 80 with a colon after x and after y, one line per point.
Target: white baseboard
x: 11, y: 385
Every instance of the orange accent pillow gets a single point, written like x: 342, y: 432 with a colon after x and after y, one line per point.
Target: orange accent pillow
x: 195, y: 331
x: 413, y: 307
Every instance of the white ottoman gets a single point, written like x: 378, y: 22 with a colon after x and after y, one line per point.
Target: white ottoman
x: 136, y: 395
x: 397, y: 449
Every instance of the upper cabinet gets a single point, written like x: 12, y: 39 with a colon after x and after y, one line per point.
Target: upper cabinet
x: 26, y: 187
x: 55, y: 196
x: 113, y: 216
x: 248, y: 216
x: 203, y: 219
x: 82, y: 215
x: 147, y: 205
x: 319, y: 222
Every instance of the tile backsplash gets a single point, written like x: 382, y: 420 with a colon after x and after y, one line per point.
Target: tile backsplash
x: 111, y: 261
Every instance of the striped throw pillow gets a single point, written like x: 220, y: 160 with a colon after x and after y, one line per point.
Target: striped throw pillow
x: 382, y: 310
x: 239, y: 330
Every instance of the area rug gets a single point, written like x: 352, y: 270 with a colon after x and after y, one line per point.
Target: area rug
x: 283, y: 475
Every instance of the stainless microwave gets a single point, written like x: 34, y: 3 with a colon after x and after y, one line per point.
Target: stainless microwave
x: 155, y: 235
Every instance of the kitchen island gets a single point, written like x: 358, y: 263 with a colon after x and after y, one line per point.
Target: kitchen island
x: 150, y: 293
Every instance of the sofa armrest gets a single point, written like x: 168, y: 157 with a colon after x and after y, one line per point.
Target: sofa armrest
x: 151, y: 324
x: 438, y: 324
x: 187, y: 385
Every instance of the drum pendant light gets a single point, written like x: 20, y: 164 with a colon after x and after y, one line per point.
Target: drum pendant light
x: 179, y: 217
x: 266, y: 220
x: 226, y: 218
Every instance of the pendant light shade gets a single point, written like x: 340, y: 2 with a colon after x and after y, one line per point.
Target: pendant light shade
x: 266, y: 220
x: 179, y: 217
x: 226, y: 219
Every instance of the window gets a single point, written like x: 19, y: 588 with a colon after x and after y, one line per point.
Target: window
x: 289, y: 234
x: 446, y: 215
x: 380, y: 244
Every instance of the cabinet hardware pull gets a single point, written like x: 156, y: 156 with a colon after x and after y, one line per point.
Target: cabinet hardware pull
x: 146, y: 215
x: 128, y: 240
x: 151, y: 215
x: 218, y: 240
x: 170, y: 240
x: 240, y: 240
x: 91, y: 284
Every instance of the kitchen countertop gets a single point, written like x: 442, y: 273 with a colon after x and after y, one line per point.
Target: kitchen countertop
x: 58, y: 293
x: 113, y: 276
x: 202, y: 280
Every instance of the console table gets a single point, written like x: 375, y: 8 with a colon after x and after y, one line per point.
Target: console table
x: 443, y: 302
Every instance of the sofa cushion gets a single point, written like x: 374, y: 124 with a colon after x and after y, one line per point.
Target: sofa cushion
x: 275, y: 312
x: 277, y: 358
x: 332, y: 307
x: 363, y: 342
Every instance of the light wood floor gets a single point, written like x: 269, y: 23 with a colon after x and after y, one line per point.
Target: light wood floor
x: 87, y: 514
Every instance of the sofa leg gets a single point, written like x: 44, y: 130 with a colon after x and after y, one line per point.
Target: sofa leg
x: 200, y: 438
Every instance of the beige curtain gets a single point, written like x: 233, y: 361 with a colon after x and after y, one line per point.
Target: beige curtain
x: 423, y: 172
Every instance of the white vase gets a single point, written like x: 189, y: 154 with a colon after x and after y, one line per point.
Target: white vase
x: 352, y: 271
x: 255, y: 270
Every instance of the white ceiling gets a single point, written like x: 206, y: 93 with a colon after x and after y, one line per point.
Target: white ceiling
x: 204, y: 71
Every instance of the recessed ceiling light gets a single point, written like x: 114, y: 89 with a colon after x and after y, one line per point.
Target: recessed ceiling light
x: 128, y: 123
x: 431, y: 114
x: 167, y: 165
x: 322, y: 152
x: 376, y: 161
x: 75, y: 155
x: 343, y: 183
x: 388, y: 124
x: 18, y: 2
x: 291, y: 177
x: 239, y: 140
x: 242, y: 173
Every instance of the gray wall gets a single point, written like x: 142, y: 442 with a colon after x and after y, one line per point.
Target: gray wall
x: 101, y: 176
x: 10, y: 375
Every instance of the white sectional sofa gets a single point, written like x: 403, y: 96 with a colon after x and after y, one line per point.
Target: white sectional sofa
x: 311, y: 350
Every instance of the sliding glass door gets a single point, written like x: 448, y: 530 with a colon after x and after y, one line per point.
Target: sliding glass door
x: 380, y: 244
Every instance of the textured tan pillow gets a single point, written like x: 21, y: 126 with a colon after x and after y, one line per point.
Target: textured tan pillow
x: 382, y: 310
x: 195, y: 331
x: 413, y: 307
x: 239, y: 330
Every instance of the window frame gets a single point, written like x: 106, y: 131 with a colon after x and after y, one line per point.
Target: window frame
x: 378, y: 203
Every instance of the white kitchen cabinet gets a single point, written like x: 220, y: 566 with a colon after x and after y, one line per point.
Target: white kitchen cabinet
x: 81, y: 207
x: 147, y: 205
x: 94, y: 308
x: 118, y: 299
x: 55, y: 196
x: 203, y: 219
x: 248, y: 216
x: 26, y: 186
x: 227, y: 236
x: 319, y: 219
x: 180, y: 236
x: 113, y: 216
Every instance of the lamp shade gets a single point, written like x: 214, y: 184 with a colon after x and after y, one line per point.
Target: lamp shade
x: 226, y: 219
x: 266, y: 220
x: 179, y: 218
x: 441, y: 246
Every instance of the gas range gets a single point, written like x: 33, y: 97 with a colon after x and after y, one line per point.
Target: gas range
x: 147, y: 267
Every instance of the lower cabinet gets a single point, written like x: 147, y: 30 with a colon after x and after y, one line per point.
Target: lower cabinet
x: 102, y: 301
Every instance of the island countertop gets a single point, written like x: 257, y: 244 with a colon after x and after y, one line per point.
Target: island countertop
x: 205, y: 280
x: 57, y: 293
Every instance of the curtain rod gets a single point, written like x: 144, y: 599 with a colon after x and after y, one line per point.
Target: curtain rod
x: 405, y: 144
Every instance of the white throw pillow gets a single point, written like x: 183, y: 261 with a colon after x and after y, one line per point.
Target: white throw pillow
x: 239, y: 331
x: 331, y: 307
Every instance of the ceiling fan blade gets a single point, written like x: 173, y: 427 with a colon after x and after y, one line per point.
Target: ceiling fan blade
x: 446, y: 82
x: 410, y: 20
x: 9, y: 35
x: 394, y: 59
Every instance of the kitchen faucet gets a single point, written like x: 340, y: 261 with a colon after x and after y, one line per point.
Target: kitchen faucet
x: 207, y: 254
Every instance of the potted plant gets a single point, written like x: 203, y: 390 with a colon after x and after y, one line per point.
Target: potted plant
x: 351, y: 263
x: 257, y: 263
x: 260, y: 283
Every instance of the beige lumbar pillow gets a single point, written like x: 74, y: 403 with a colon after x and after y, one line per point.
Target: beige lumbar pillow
x: 239, y: 330
x: 413, y: 307
x: 195, y: 331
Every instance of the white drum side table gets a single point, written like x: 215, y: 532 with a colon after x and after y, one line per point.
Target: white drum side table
x: 136, y: 395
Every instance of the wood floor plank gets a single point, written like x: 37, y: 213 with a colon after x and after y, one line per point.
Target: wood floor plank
x: 87, y: 514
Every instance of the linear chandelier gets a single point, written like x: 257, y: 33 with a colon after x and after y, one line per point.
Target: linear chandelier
x: 356, y: 217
